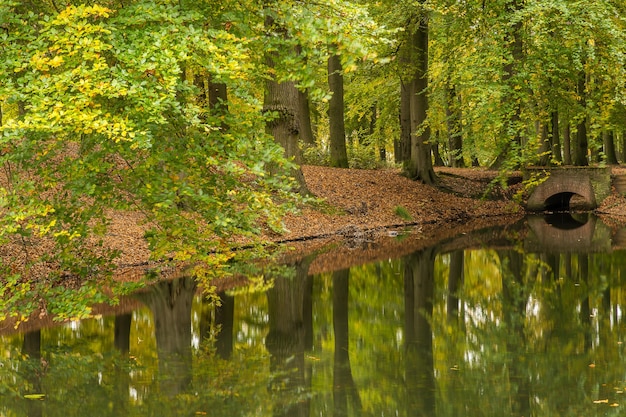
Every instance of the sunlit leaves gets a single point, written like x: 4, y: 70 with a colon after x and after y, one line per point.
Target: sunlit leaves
x: 100, y: 112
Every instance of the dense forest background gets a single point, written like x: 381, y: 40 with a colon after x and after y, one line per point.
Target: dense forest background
x: 197, y: 114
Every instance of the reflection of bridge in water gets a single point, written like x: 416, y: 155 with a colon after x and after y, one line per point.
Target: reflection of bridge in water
x: 567, y: 232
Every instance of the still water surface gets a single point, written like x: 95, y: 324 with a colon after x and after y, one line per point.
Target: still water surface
x: 481, y: 331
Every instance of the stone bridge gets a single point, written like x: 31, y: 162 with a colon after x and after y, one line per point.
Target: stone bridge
x: 557, y: 185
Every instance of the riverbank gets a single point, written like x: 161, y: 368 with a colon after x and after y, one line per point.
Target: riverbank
x: 356, y: 207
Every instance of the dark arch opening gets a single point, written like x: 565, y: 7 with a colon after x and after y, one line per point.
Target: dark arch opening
x: 566, y: 201
x: 566, y: 220
x: 559, y: 202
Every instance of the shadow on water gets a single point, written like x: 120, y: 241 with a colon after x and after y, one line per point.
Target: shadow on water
x: 518, y: 321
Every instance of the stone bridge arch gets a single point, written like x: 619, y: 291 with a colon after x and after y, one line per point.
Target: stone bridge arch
x: 559, y: 184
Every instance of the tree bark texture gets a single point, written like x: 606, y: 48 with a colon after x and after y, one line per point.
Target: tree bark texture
x: 306, y: 127
x: 567, y: 145
x: 337, y: 139
x: 453, y: 123
x: 282, y: 99
x: 403, y: 151
x: 581, y: 145
x: 555, y: 137
x: 421, y: 165
x: 608, y: 142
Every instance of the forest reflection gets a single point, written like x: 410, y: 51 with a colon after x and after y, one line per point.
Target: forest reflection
x: 444, y: 331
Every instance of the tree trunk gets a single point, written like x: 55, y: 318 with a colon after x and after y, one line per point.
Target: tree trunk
x: 306, y: 134
x: 608, y: 141
x: 337, y: 139
x: 453, y: 122
x: 545, y: 149
x: 511, y: 69
x: 581, y: 145
x: 567, y: 147
x: 555, y: 137
x: 438, y: 160
x: 282, y: 100
x: 403, y: 153
x: 421, y: 165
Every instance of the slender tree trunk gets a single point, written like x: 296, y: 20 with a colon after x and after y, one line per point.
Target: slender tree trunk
x: 608, y: 141
x: 511, y: 69
x: 306, y: 135
x: 581, y: 146
x: 567, y: 147
x: 437, y: 155
x: 546, y: 147
x: 453, y: 122
x: 337, y: 139
x: 403, y: 154
x: 624, y: 146
x: 556, y: 137
x: 421, y: 166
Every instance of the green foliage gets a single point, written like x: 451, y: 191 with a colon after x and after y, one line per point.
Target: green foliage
x: 99, y: 113
x: 315, y: 155
x: 359, y: 156
x: 403, y: 213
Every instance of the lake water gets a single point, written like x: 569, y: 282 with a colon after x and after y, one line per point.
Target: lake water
x: 531, y: 325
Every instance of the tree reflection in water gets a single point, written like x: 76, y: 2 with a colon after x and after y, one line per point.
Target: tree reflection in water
x: 445, y: 331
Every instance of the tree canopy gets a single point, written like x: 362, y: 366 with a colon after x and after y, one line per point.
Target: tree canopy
x: 162, y: 108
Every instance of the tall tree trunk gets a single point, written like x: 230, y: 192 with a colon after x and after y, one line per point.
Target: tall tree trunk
x: 545, y: 150
x: 555, y: 137
x: 337, y: 139
x: 421, y: 166
x: 403, y: 148
x: 511, y: 69
x: 306, y: 133
x: 567, y: 145
x: 608, y: 141
x: 437, y: 154
x: 282, y: 99
x: 581, y: 146
x: 453, y: 122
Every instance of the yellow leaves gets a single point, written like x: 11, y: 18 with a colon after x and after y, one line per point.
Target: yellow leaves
x: 70, y: 236
x: 82, y: 12
x: 42, y: 63
x: 606, y: 401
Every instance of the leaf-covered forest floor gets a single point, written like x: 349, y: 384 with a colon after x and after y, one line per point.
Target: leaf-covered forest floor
x: 360, y: 210
x: 369, y: 215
